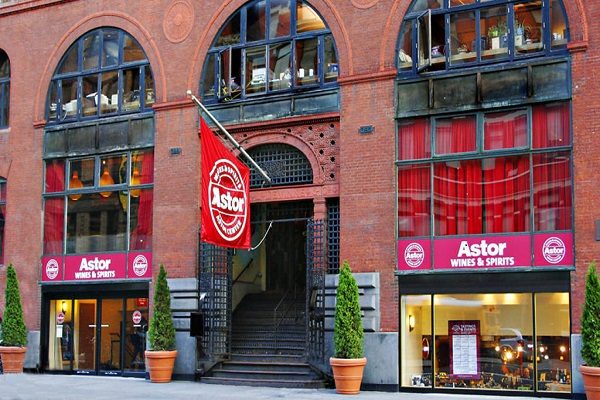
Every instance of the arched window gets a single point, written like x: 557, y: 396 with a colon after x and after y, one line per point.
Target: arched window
x: 268, y: 47
x: 440, y: 35
x: 99, y: 148
x: 285, y: 164
x: 4, y: 89
x: 104, y: 73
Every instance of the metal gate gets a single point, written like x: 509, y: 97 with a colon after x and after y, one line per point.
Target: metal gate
x: 215, y: 285
x: 316, y: 268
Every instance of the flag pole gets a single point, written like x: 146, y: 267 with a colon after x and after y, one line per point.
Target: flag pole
x: 231, y: 139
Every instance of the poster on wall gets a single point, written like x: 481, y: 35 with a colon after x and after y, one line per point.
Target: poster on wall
x: 463, y: 337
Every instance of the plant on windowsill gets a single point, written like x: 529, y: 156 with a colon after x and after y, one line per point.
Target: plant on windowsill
x: 348, y: 362
x: 590, y: 335
x: 13, y: 340
x: 160, y: 358
x: 497, y: 35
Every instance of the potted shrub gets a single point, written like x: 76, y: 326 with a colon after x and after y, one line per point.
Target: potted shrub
x: 14, y: 332
x: 348, y: 362
x: 160, y: 358
x: 590, y: 335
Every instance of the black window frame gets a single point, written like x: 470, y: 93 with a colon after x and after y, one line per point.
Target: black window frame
x: 216, y: 93
x: 445, y: 12
x: 145, y: 97
x: 4, y: 90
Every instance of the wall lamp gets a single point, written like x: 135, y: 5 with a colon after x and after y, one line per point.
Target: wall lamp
x: 64, y: 306
x: 411, y: 323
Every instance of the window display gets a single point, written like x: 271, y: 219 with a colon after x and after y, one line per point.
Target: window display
x: 486, y: 341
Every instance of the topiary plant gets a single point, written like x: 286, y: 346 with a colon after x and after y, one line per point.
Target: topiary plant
x: 162, y: 331
x: 348, y: 335
x: 14, y: 331
x: 590, y: 320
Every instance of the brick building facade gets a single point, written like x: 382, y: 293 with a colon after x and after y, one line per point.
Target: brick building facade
x: 342, y: 126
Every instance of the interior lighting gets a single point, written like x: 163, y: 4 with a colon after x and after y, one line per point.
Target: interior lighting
x: 106, y: 180
x: 75, y: 183
x: 411, y: 323
x: 135, y: 180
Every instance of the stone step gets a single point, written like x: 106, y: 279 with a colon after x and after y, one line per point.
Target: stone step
x: 288, y: 383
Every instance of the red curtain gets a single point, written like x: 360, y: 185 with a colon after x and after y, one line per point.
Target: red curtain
x: 141, y: 236
x: 505, y: 130
x: 54, y: 208
x: 456, y: 135
x: 457, y: 184
x: 414, y: 140
x: 506, y: 194
x: 414, y: 200
x: 551, y: 125
x: 552, y: 191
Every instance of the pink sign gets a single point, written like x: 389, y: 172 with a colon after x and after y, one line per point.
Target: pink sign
x: 553, y: 249
x: 97, y: 267
x: 480, y: 252
x: 139, y: 265
x: 414, y: 254
x: 60, y: 318
x: 52, y: 269
x: 93, y: 267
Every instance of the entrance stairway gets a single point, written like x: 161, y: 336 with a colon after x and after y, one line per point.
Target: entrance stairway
x: 268, y: 346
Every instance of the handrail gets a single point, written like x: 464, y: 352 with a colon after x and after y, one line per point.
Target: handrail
x: 241, y: 273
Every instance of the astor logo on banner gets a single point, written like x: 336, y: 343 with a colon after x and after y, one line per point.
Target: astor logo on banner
x: 225, y: 194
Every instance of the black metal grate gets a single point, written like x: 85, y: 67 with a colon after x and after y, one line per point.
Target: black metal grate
x: 284, y: 164
x: 215, y: 281
x: 333, y: 236
x: 315, y: 290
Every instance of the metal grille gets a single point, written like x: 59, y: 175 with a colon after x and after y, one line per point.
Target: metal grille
x: 215, y: 281
x: 333, y: 236
x: 284, y: 164
x: 315, y: 285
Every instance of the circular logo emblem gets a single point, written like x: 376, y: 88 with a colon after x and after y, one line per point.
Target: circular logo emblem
x: 228, y: 200
x: 136, y: 317
x: 52, y: 269
x: 554, y: 250
x: 60, y: 318
x: 414, y: 255
x: 140, y: 265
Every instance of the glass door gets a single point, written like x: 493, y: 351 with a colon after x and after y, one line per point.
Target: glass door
x: 60, y: 341
x: 136, y: 329
x: 84, y: 337
x: 110, y: 325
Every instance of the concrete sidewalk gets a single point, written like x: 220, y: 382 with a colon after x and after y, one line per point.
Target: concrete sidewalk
x: 63, y: 387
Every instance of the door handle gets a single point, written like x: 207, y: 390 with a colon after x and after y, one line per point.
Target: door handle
x: 92, y: 325
x: 104, y: 325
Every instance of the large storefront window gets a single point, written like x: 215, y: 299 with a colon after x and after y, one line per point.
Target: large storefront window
x: 472, y: 186
x: 270, y: 46
x: 107, y: 202
x: 494, y: 341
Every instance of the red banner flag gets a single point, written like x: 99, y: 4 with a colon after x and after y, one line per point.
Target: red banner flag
x: 225, y: 218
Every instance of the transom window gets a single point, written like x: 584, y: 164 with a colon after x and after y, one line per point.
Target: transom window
x: 270, y: 46
x: 4, y: 89
x: 104, y: 73
x: 439, y: 35
x: 285, y: 165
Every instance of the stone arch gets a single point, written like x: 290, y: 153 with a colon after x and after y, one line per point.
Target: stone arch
x: 326, y: 8
x: 93, y: 21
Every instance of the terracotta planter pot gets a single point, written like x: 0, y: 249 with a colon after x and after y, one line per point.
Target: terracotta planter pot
x: 160, y: 365
x: 591, y: 381
x: 12, y: 359
x: 348, y: 374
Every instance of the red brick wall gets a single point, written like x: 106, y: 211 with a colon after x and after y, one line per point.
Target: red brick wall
x: 366, y: 35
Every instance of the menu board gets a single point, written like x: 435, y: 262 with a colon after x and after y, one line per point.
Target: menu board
x: 464, y: 349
